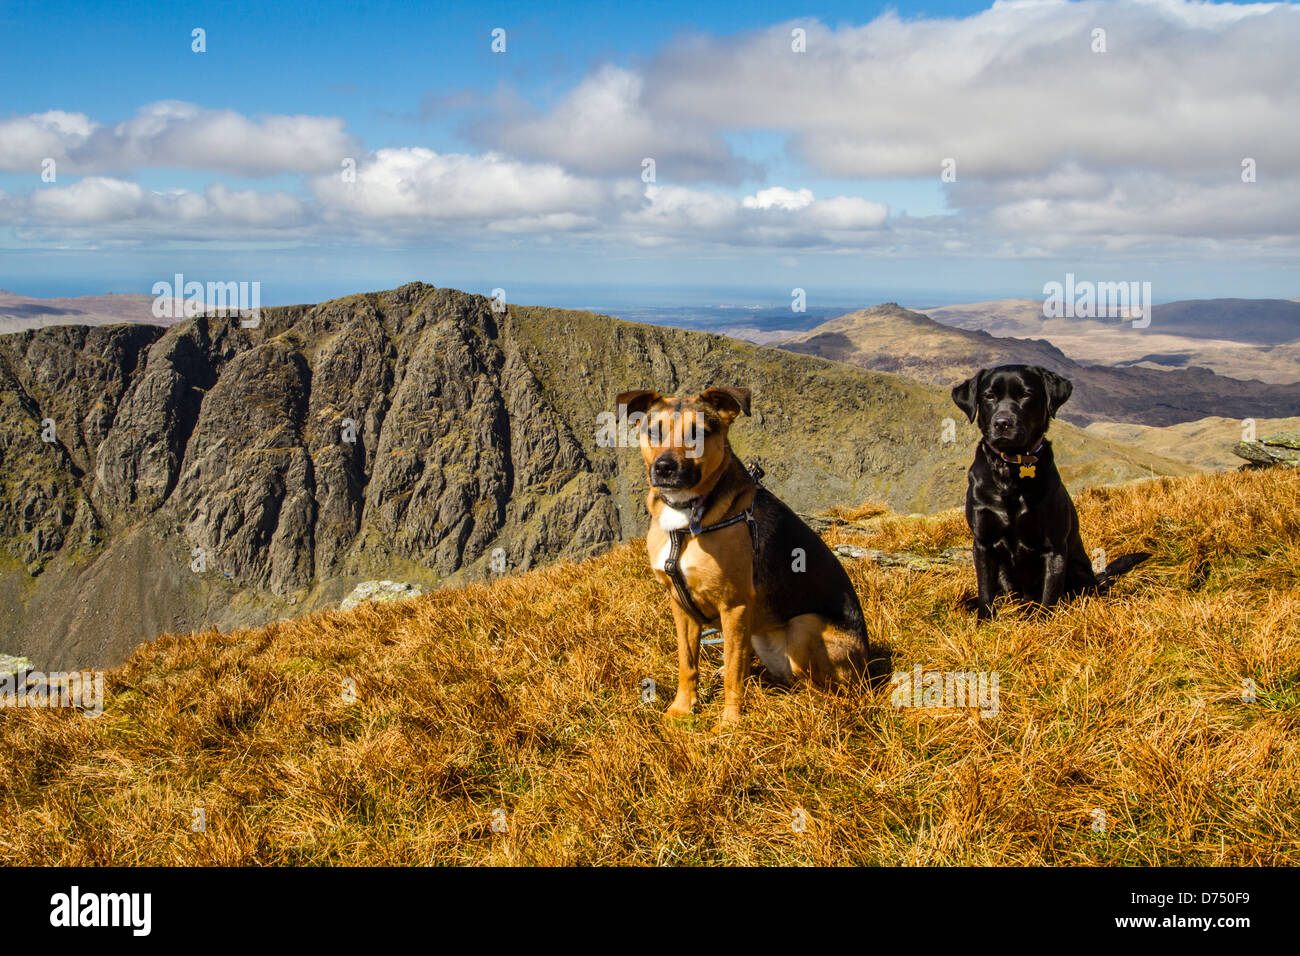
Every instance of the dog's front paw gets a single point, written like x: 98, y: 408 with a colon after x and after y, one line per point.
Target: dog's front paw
x: 680, y: 708
x: 729, y: 720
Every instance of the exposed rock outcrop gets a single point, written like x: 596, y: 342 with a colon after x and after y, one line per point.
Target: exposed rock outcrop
x: 380, y: 592
x: 1283, y: 449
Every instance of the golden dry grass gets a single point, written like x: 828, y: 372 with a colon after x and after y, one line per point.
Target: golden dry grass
x: 862, y: 512
x: 526, y: 696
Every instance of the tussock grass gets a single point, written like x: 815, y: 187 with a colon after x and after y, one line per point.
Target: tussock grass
x: 862, y: 512
x: 526, y: 695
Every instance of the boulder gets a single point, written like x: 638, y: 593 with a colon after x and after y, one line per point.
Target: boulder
x: 1281, y: 449
x: 380, y: 592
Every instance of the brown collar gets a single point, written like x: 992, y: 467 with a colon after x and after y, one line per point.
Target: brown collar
x: 1025, y: 461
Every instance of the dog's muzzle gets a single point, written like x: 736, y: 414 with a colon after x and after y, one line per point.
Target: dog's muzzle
x: 670, y: 473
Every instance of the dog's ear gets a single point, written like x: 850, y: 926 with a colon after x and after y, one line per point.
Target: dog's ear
x: 638, y: 400
x: 1057, y: 387
x: 967, y: 395
x: 729, y: 402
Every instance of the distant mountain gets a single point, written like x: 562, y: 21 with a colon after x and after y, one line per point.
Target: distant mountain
x: 1019, y: 318
x: 1239, y: 338
x: 21, y: 312
x: 1258, y: 321
x: 203, y: 475
x: 1261, y: 321
x: 889, y: 338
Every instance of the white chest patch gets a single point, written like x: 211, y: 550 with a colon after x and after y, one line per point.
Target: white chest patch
x: 670, y: 519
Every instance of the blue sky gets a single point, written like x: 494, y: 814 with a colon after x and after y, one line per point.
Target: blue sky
x: 774, y: 168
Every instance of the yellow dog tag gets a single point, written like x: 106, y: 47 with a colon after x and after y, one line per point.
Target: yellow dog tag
x: 1026, y: 471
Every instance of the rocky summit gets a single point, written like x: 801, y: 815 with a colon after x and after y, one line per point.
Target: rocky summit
x: 207, y: 474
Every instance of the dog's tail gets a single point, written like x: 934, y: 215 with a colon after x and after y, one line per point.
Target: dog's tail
x: 1121, y: 565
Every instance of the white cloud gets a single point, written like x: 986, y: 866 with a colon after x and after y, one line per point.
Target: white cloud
x: 780, y: 198
x: 603, y: 127
x: 176, y: 135
x: 1057, y: 148
x: 116, y: 208
x: 1014, y: 90
x: 776, y: 216
x: 420, y: 184
x: 26, y: 141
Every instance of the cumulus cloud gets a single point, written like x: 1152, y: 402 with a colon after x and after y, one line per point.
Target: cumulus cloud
x: 116, y: 208
x: 26, y: 141
x: 777, y: 216
x: 1053, y: 140
x: 420, y: 184
x: 780, y: 198
x: 603, y: 127
x: 1056, y: 147
x: 1014, y: 90
x: 176, y: 135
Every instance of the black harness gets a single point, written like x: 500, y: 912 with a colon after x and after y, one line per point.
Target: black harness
x: 677, y: 541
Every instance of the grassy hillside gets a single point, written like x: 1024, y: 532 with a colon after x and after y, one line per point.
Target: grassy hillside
x: 526, y: 696
x: 1205, y: 444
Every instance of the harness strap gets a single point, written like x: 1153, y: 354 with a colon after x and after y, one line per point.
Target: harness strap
x: 677, y: 541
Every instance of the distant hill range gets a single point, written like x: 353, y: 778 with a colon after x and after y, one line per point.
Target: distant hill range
x: 1206, y: 444
x: 21, y: 312
x: 1239, y: 338
x: 204, y: 474
x: 889, y: 338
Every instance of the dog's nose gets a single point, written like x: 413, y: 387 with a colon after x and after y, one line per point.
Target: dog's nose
x: 1002, y: 423
x: 665, y: 468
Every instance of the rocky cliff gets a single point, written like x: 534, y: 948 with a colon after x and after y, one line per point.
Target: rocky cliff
x: 208, y: 474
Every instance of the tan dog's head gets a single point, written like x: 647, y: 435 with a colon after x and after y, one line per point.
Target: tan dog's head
x: 684, y: 440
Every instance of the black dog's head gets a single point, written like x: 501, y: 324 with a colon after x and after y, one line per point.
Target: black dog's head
x: 1013, y: 403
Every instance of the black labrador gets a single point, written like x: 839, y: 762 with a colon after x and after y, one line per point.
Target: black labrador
x: 1026, y: 531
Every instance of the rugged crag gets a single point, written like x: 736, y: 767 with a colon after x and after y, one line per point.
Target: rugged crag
x: 206, y: 474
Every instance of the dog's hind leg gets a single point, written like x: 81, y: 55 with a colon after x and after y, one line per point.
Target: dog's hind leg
x: 770, y: 649
x: 824, y: 654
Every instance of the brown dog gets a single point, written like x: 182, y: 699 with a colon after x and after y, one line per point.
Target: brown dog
x: 730, y: 552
